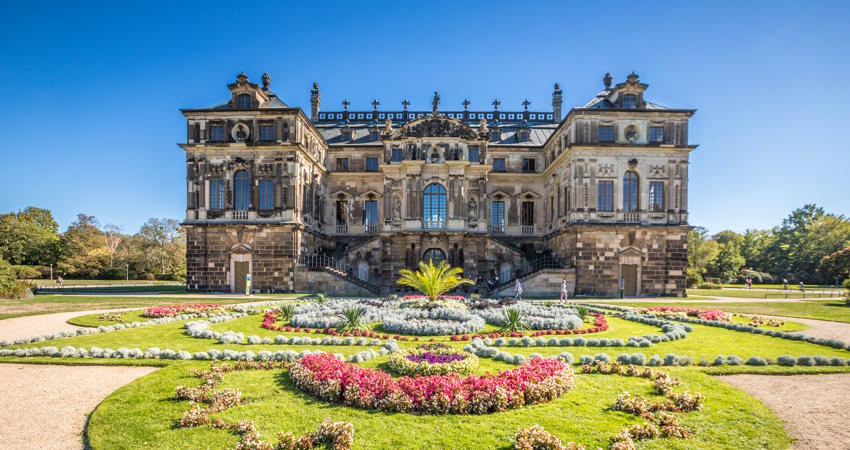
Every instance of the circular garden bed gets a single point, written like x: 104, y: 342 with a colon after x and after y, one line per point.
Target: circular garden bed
x: 432, y: 359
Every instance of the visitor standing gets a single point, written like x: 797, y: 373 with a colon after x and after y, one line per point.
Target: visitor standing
x: 518, y: 290
x: 564, y: 291
x: 496, y: 288
x: 802, y: 287
x: 784, y: 284
x: 59, y: 280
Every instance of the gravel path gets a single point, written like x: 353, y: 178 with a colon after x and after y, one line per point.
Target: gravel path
x: 812, y: 407
x: 46, y: 406
x: 29, y: 326
x: 821, y: 328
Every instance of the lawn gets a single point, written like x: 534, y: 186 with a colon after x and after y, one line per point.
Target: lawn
x: 743, y: 293
x: 834, y: 310
x: 144, y: 413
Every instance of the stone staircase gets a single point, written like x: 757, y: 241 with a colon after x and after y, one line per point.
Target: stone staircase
x: 339, y: 268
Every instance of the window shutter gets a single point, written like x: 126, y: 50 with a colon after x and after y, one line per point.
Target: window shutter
x: 667, y: 138
x: 594, y: 132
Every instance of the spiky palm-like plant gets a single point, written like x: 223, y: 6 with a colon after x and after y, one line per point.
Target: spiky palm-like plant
x: 513, y: 320
x: 432, y: 280
x: 352, y: 319
x: 286, y: 312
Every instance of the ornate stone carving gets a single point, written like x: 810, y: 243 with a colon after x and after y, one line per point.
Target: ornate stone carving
x: 657, y: 171
x: 606, y: 170
x: 388, y: 127
x: 396, y: 208
x: 473, y: 211
x: 435, y: 103
x: 436, y: 127
x: 632, y: 133
x: 240, y: 132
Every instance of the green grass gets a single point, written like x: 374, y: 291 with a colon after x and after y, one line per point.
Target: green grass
x: 787, y: 326
x: 834, y: 310
x: 143, y: 414
x: 791, y: 286
x: 115, y: 289
x: 66, y: 282
x: 93, y: 320
x: 757, y: 294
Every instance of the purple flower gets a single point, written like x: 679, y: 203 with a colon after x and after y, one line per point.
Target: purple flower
x: 431, y: 358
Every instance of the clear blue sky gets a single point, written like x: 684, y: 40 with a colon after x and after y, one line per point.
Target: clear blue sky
x: 91, y: 91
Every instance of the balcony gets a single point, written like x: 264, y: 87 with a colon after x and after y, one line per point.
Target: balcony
x: 240, y: 214
x: 342, y: 228
x: 370, y: 229
x: 631, y: 217
x: 527, y: 230
x: 496, y: 229
x: 433, y: 225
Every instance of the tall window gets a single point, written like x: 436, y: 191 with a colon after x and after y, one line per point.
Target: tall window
x: 241, y: 190
x: 217, y: 133
x: 606, y: 133
x: 243, y: 101
x: 266, y: 195
x: 566, y: 199
x: 528, y: 164
x: 266, y: 133
x: 371, y: 215
x: 630, y: 191
x: 371, y: 164
x: 656, y: 196
x: 216, y: 194
x: 656, y: 134
x: 342, y: 164
x: 498, y: 215
x: 527, y: 214
x: 435, y: 255
x: 630, y: 101
x: 473, y: 155
x: 341, y: 211
x: 498, y: 164
x: 434, y: 204
x: 397, y: 155
x: 605, y: 196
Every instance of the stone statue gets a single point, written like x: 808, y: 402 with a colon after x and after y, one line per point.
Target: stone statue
x: 388, y: 126
x: 607, y: 80
x: 396, y: 208
x: 435, y: 103
x: 266, y: 81
x: 473, y: 210
x: 482, y: 127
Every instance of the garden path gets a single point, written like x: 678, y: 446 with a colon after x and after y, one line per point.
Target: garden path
x: 46, y: 406
x: 821, y: 328
x: 29, y: 326
x: 812, y: 407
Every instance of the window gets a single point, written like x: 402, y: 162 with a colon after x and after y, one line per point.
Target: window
x: 434, y: 204
x: 656, y: 196
x: 473, y: 155
x: 606, y: 133
x: 266, y: 133
x: 266, y: 195
x: 241, y: 190
x: 216, y: 194
x: 341, y: 211
x: 342, y: 164
x: 397, y: 155
x: 605, y: 196
x: 630, y: 191
x: 566, y: 199
x: 371, y: 215
x: 217, y: 133
x: 528, y: 164
x: 243, y: 101
x: 656, y: 134
x: 527, y: 214
x: 630, y: 101
x: 435, y: 255
x: 372, y: 164
x: 498, y: 164
x: 497, y: 222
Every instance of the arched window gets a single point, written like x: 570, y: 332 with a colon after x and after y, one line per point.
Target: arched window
x: 630, y: 101
x: 243, y: 101
x: 435, y: 255
x: 241, y: 190
x: 434, y: 207
x: 630, y: 191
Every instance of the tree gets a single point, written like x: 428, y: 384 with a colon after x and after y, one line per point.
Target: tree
x: 727, y: 263
x: 28, y: 237
x: 161, y: 232
x: 112, y: 235
x: 431, y: 280
x: 836, y: 265
x: 82, y: 249
x: 701, y: 253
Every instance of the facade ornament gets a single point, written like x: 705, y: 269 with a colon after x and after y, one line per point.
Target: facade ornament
x: 435, y: 104
x: 240, y: 132
x: 607, y: 80
x: 633, y: 78
x: 525, y: 103
x: 405, y: 103
x: 241, y: 78
x: 375, y: 104
x: 473, y: 210
x: 388, y: 126
x: 266, y: 81
x: 466, y: 104
x: 396, y: 208
x: 632, y: 133
x: 345, y: 104
x: 496, y: 104
x: 482, y: 126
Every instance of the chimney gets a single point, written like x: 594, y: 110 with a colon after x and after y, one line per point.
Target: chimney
x: 557, y: 101
x: 315, y: 103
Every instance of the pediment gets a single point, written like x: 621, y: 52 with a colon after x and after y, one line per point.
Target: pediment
x: 528, y: 195
x: 367, y: 194
x: 499, y: 194
x: 240, y: 248
x: 436, y: 127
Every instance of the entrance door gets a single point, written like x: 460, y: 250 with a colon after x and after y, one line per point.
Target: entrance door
x: 241, y: 272
x: 629, y: 280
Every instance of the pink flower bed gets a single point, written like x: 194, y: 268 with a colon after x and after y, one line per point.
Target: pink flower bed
x: 538, y: 380
x: 173, y: 310
x: 599, y: 324
x: 458, y: 298
x: 705, y: 314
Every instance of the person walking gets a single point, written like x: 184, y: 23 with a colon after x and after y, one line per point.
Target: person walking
x: 564, y: 292
x: 784, y: 284
x: 518, y: 290
x: 802, y: 287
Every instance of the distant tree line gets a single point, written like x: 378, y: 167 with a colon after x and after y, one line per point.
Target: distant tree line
x: 810, y: 245
x: 30, y: 241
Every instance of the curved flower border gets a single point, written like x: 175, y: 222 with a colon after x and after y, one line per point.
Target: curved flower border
x: 400, y: 363
x: 539, y: 380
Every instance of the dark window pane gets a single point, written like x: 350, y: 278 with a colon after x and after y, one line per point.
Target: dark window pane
x: 656, y: 134
x: 630, y: 101
x: 342, y: 164
x: 398, y: 155
x: 241, y: 190
x: 630, y: 191
x: 435, y: 255
x: 216, y: 194
x: 371, y: 216
x: 606, y: 133
x: 605, y: 196
x: 527, y: 214
x: 498, y: 219
x: 473, y: 155
x: 266, y: 194
x: 434, y: 204
x: 243, y: 101
x: 217, y: 133
x: 656, y: 196
x: 371, y: 164
x: 266, y: 133
x: 499, y: 164
x: 528, y: 164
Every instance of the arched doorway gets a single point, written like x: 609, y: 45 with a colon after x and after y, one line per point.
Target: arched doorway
x: 435, y: 255
x: 363, y: 270
x: 505, y: 272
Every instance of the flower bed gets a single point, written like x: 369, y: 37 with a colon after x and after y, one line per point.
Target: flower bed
x: 536, y: 317
x: 432, y: 359
x: 538, y: 380
x: 329, y: 314
x: 457, y: 298
x: 681, y: 311
x: 174, y: 310
x: 434, y: 322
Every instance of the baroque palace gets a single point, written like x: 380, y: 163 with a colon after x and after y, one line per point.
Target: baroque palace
x: 339, y: 201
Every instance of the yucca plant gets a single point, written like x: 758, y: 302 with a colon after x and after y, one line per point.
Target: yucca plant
x: 431, y: 280
x: 320, y: 298
x: 513, y: 320
x: 352, y: 319
x: 286, y: 312
x: 582, y: 312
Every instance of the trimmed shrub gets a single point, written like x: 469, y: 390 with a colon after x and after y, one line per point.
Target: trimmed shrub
x: 733, y: 360
x: 821, y: 361
x: 585, y: 359
x: 837, y: 361
x: 602, y: 357
x: 756, y: 361
x: 805, y: 361
x: 655, y: 361
x: 719, y: 361
x: 786, y: 360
